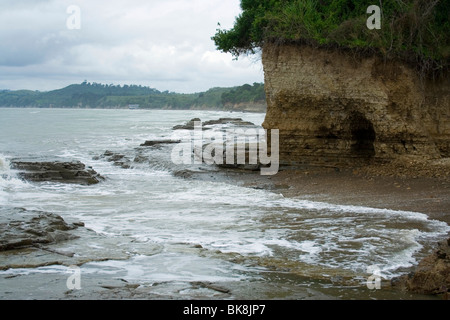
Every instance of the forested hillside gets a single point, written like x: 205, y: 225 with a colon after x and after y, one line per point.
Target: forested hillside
x: 96, y: 95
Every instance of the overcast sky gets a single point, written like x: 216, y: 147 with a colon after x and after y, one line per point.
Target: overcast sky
x: 163, y: 44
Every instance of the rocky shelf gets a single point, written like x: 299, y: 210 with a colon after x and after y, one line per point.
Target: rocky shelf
x: 56, y: 171
x: 21, y: 228
x: 432, y: 275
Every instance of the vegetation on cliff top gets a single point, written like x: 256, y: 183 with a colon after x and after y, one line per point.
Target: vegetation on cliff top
x: 415, y: 31
x: 97, y: 95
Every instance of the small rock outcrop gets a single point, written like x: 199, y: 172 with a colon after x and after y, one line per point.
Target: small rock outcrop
x: 118, y: 159
x: 187, y: 126
x: 234, y: 121
x: 21, y: 228
x: 158, y: 143
x: 432, y: 275
x: 56, y: 171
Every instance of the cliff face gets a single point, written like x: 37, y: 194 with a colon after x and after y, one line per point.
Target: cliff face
x: 333, y: 108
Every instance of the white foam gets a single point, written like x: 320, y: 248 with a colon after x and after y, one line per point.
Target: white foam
x: 9, y: 183
x: 261, y: 198
x: 4, y: 164
x: 168, y: 267
x: 40, y: 270
x: 317, y: 206
x: 147, y: 203
x: 3, y: 176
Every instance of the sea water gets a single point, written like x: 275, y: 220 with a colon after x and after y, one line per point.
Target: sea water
x: 245, y: 234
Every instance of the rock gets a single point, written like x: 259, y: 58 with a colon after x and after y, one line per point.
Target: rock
x: 116, y: 157
x: 183, y: 173
x: 23, y: 228
x: 139, y: 158
x: 119, y: 159
x: 157, y: 143
x: 247, y: 161
x: 331, y: 108
x: 235, y: 121
x: 56, y: 171
x: 188, y: 126
x: 432, y: 275
x: 211, y: 286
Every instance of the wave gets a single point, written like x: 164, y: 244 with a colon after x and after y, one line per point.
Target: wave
x: 9, y: 182
x: 316, y: 233
x: 5, y: 177
x: 4, y: 164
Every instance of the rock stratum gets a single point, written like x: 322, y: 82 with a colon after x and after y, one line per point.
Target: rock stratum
x: 23, y: 228
x: 332, y: 107
x: 56, y: 171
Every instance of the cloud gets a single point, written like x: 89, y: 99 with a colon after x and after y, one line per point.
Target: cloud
x: 160, y: 43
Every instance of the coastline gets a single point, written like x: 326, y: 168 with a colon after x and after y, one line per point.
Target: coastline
x: 416, y: 186
x: 407, y: 184
x: 421, y: 186
x: 371, y: 186
x: 379, y: 186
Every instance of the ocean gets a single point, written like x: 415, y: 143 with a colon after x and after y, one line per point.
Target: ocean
x: 166, y: 233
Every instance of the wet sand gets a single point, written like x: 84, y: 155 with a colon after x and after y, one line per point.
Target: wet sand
x: 428, y: 195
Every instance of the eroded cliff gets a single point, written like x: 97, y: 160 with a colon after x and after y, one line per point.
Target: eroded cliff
x: 335, y: 108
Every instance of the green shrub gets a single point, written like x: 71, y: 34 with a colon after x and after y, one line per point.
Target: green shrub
x: 415, y: 31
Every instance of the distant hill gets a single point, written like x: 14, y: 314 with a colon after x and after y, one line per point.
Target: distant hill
x: 96, y: 95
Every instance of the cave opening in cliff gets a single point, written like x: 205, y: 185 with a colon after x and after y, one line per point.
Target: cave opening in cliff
x: 363, y: 135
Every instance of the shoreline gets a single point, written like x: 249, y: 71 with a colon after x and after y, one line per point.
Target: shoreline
x: 372, y: 186
x: 416, y: 187
x: 425, y: 195
x: 428, y: 195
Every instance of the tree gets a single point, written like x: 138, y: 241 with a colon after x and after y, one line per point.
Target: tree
x: 416, y: 31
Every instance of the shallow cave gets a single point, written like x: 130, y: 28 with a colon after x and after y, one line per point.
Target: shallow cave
x: 362, y: 135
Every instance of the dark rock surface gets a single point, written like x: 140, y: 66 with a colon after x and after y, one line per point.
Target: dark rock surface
x: 56, y: 171
x: 432, y: 275
x: 188, y: 126
x: 21, y: 228
x: 157, y: 143
x: 235, y: 121
x: 118, y: 159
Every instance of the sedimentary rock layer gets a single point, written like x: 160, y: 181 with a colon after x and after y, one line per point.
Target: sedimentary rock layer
x: 332, y: 107
x: 56, y: 171
x: 21, y: 228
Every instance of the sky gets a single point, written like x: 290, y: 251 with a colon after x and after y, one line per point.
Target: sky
x: 162, y: 44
